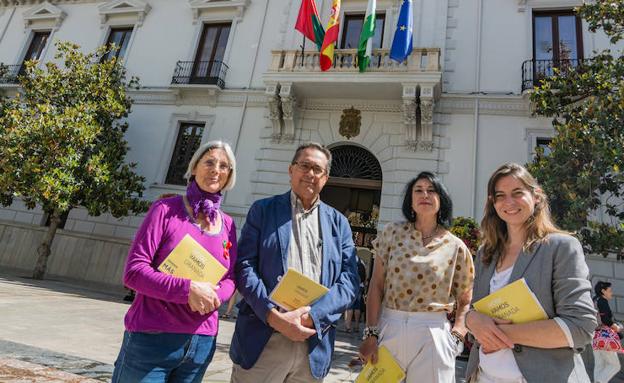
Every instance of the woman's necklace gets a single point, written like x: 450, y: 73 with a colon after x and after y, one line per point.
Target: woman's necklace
x: 433, y: 233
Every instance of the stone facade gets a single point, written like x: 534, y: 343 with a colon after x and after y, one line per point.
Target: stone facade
x: 455, y: 107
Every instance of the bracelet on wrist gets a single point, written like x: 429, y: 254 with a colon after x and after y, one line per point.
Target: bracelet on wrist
x: 459, y: 337
x: 370, y: 331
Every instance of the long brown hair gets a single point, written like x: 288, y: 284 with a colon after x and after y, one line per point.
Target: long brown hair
x: 494, y: 229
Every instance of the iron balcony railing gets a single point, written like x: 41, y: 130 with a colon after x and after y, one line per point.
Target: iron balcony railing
x: 9, y: 76
x: 200, y: 72
x: 533, y: 71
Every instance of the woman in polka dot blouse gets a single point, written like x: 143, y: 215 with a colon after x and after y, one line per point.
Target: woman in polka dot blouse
x: 421, y: 272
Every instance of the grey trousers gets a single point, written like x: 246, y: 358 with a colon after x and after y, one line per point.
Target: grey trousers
x: 282, y: 360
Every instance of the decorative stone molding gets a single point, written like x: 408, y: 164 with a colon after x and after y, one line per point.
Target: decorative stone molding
x: 282, y: 105
x: 488, y: 105
x: 153, y: 96
x: 289, y: 104
x: 524, y: 5
x: 131, y: 11
x: 207, y: 9
x: 426, y: 123
x: 45, y: 15
x: 275, y: 111
x: 324, y: 105
x: 409, y: 120
x: 418, y: 126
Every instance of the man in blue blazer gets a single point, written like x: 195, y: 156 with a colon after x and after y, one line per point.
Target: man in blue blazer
x: 292, y: 230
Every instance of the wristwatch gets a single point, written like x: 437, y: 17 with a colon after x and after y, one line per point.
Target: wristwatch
x: 370, y: 331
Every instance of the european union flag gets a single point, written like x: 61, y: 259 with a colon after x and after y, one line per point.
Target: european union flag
x: 402, y: 42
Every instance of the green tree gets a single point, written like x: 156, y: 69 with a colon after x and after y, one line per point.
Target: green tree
x: 62, y: 141
x: 583, y: 173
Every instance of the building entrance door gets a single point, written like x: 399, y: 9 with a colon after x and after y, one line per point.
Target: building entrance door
x: 354, y: 189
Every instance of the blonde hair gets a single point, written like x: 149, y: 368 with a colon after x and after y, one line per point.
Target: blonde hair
x: 199, y: 153
x: 494, y: 229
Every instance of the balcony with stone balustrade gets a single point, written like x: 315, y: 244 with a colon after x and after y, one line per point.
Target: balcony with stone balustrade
x: 294, y: 77
x: 422, y: 60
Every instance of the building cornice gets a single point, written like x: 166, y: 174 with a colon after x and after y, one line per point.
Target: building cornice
x: 504, y: 105
x: 378, y: 106
x: 234, y: 9
x: 15, y: 3
x: 173, y: 96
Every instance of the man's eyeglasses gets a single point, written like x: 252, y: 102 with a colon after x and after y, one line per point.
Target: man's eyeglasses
x: 223, y: 167
x: 306, y: 166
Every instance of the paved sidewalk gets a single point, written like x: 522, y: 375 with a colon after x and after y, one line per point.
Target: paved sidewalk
x: 78, y: 331
x: 51, y: 331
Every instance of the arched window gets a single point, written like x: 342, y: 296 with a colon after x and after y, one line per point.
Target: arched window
x: 354, y: 188
x: 349, y: 161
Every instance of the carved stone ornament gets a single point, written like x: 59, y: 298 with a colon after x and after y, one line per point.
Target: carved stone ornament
x: 45, y: 14
x: 350, y: 123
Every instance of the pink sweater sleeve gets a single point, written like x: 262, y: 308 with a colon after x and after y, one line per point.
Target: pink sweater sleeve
x: 140, y: 273
x: 227, y: 284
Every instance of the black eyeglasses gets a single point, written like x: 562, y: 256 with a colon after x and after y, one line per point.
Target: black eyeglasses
x: 305, y: 167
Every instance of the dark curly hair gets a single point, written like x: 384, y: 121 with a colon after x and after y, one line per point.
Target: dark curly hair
x: 445, y: 214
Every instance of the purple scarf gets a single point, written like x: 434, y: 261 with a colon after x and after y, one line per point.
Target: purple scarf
x: 203, y: 202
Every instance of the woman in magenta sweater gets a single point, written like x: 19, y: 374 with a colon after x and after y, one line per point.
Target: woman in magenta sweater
x: 172, y: 324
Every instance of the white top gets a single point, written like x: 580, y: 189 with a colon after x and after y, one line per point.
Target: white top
x: 500, y: 364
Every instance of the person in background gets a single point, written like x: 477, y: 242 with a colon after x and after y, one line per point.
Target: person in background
x: 521, y: 241
x: 230, y: 307
x: 420, y: 271
x: 606, y: 363
x: 172, y: 324
x: 354, y: 311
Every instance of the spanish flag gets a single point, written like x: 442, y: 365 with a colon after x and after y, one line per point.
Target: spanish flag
x: 331, y: 36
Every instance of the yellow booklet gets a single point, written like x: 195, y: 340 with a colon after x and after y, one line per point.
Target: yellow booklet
x: 296, y: 290
x: 515, y: 302
x: 387, y: 370
x: 190, y: 260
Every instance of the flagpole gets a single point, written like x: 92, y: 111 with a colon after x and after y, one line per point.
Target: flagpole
x: 302, y: 49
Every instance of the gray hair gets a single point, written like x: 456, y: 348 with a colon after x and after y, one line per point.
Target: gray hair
x: 199, y: 153
x: 317, y: 146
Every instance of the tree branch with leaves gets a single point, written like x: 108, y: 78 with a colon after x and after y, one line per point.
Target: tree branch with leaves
x: 583, y: 172
x: 62, y: 140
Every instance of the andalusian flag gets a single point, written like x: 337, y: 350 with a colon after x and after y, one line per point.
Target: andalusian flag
x: 365, y: 48
x: 309, y: 23
x: 331, y: 36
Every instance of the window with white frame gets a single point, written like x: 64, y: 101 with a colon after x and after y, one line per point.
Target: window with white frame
x: 538, y: 138
x: 120, y: 37
x: 35, y: 48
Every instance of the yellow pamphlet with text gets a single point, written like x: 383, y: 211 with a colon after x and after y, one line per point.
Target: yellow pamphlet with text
x: 296, y: 290
x: 386, y: 370
x: 515, y: 302
x: 190, y: 260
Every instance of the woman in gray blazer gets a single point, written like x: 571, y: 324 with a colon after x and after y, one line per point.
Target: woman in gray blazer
x: 521, y: 241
